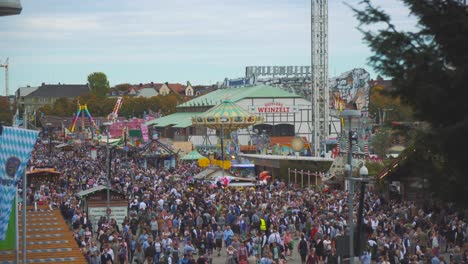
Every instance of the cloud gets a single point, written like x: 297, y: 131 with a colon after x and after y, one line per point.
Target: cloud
x: 61, y: 23
x: 229, y: 34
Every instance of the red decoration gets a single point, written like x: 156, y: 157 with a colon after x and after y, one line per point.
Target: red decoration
x: 334, y: 152
x: 264, y: 176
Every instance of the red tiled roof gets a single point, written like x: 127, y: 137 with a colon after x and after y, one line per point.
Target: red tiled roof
x: 177, y: 88
x: 138, y: 87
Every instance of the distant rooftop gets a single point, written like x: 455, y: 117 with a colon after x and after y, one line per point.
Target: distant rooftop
x: 60, y: 90
x: 24, y: 91
x: 237, y: 94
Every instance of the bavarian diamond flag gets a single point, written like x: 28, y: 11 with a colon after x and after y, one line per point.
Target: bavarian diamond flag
x: 15, y: 149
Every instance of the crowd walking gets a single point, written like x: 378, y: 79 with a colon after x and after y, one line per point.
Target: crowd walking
x: 174, y: 218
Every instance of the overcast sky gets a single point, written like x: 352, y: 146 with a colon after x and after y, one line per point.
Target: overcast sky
x: 202, y: 41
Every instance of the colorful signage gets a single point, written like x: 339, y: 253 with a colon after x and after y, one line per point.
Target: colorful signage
x: 144, y: 132
x: 273, y: 107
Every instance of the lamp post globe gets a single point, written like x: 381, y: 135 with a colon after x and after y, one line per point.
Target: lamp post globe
x: 363, y: 171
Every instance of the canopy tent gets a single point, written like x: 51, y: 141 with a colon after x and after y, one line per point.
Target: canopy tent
x: 176, y: 120
x: 193, y: 155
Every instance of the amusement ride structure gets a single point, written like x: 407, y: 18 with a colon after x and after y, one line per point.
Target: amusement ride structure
x: 226, y: 118
x: 112, y: 117
x: 82, y: 110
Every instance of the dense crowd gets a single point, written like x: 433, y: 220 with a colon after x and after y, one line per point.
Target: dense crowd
x: 174, y: 218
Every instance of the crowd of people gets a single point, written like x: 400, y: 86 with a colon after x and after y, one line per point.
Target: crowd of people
x: 174, y: 218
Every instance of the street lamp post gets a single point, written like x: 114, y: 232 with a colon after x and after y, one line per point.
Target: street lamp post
x: 349, y: 115
x: 108, y: 163
x: 65, y: 130
x: 363, y: 172
x: 222, y: 120
x: 50, y: 138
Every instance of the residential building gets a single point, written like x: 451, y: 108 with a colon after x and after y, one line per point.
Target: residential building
x: 21, y: 93
x: 153, y: 89
x: 47, y: 94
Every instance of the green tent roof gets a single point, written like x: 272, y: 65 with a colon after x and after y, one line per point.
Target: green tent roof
x: 237, y: 94
x: 193, y: 155
x: 177, y: 120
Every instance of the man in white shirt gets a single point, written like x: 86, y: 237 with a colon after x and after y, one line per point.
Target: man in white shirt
x: 275, y: 237
x: 142, y: 206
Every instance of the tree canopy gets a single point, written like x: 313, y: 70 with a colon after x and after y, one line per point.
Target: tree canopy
x: 428, y: 67
x: 131, y: 107
x: 99, y: 84
x: 6, y: 113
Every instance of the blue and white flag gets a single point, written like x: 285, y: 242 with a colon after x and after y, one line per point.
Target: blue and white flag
x: 16, y: 145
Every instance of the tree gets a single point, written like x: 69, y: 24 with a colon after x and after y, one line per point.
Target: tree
x: 429, y: 69
x: 6, y: 115
x: 123, y: 87
x: 381, y: 102
x: 99, y: 84
x: 382, y: 141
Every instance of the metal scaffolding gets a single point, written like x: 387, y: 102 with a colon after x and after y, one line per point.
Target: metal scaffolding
x: 319, y: 63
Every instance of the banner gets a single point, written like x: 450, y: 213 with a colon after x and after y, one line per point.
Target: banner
x: 10, y: 238
x: 15, y: 149
x: 144, y: 132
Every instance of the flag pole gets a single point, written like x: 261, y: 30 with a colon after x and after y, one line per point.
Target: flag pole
x: 25, y: 188
x: 16, y: 229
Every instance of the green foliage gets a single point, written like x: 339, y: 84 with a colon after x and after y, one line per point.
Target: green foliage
x: 429, y: 69
x: 99, y: 84
x: 381, y: 101
x: 123, y: 87
x: 6, y: 115
x: 382, y: 141
x: 375, y: 167
x: 98, y: 106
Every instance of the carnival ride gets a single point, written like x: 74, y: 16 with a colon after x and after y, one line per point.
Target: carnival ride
x: 82, y: 110
x: 112, y: 117
x: 226, y: 118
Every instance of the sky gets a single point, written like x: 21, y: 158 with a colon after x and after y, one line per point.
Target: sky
x: 201, y: 41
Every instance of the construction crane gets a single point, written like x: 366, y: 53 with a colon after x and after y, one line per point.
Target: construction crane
x: 5, y: 65
x: 112, y: 117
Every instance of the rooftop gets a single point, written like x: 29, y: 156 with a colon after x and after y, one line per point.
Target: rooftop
x: 238, y: 94
x: 60, y: 90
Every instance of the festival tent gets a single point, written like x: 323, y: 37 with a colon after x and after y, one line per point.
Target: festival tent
x: 193, y: 155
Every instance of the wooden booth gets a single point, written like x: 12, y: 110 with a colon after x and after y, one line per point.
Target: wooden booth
x: 39, y: 176
x: 95, y: 204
